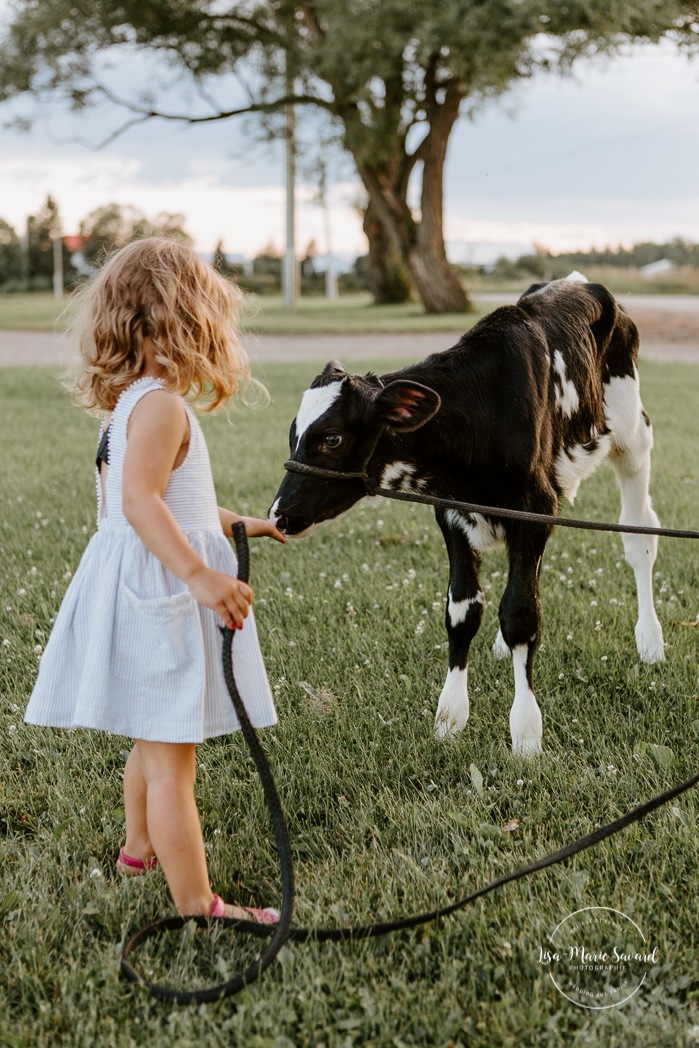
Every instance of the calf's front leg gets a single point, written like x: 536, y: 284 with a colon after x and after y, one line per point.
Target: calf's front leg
x: 463, y: 617
x: 520, y: 624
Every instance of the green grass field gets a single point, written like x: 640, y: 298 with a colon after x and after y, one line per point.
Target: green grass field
x: 266, y: 315
x: 384, y: 819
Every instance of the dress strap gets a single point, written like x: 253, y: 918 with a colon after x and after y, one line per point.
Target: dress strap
x: 129, y: 398
x: 103, y: 449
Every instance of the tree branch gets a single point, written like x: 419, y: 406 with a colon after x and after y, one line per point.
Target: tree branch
x: 148, y: 113
x: 312, y: 23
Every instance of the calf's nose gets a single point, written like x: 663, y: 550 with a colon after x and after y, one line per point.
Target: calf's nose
x: 280, y: 520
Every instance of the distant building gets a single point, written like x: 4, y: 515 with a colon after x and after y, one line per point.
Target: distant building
x: 75, y: 245
x: 655, y: 269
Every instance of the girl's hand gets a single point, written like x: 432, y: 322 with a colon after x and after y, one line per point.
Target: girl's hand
x: 225, y: 594
x: 254, y: 527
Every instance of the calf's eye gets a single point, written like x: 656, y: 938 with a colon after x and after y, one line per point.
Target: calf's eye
x: 333, y: 440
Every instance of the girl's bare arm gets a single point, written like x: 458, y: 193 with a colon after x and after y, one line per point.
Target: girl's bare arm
x: 254, y: 526
x: 158, y: 428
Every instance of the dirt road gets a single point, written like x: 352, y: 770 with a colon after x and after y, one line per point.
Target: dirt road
x: 669, y: 327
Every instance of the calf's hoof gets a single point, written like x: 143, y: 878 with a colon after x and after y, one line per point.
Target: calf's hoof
x: 453, y: 706
x: 526, y: 728
x: 649, y: 642
x: 445, y: 728
x: 527, y: 746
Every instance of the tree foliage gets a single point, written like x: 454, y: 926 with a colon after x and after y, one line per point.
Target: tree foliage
x: 395, y: 76
x: 10, y: 254
x: 113, y: 225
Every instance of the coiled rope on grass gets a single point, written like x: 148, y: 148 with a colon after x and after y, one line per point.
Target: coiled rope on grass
x: 284, y: 931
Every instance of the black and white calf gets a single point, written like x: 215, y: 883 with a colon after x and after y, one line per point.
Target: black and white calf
x: 524, y: 407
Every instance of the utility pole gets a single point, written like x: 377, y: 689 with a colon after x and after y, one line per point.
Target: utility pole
x: 290, y: 269
x: 24, y: 264
x: 330, y: 273
x: 57, y: 265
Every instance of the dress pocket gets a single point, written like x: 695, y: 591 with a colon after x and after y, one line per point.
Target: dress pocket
x: 158, y: 641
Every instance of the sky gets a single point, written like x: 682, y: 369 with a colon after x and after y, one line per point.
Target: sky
x: 607, y: 157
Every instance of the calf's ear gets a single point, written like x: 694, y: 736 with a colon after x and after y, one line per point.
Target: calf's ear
x: 405, y: 406
x: 333, y: 367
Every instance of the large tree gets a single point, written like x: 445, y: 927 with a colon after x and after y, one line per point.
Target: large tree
x: 394, y: 74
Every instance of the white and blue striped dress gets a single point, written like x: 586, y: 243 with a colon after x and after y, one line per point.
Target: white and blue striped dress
x: 131, y: 651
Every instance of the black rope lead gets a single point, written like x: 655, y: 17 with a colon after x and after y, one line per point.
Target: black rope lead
x: 284, y: 931
x: 280, y: 931
x: 372, y: 488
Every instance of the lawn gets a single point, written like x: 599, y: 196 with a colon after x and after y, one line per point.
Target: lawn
x: 266, y: 315
x: 383, y: 818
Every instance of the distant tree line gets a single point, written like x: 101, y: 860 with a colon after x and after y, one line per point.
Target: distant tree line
x: 548, y: 266
x: 27, y: 259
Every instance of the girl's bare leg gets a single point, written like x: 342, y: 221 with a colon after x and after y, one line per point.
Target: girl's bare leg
x: 138, y: 844
x: 169, y: 771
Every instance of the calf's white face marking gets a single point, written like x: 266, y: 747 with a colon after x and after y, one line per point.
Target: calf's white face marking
x: 273, y: 515
x: 314, y: 404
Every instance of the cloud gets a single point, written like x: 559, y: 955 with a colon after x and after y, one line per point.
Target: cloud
x: 606, y: 157
x: 247, y: 218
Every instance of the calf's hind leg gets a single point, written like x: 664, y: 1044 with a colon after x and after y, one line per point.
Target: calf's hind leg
x: 520, y: 625
x: 630, y: 457
x: 463, y: 617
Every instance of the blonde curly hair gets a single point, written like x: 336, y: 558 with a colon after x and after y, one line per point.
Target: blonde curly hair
x: 159, y: 289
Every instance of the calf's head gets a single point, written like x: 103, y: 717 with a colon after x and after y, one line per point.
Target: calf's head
x: 345, y: 423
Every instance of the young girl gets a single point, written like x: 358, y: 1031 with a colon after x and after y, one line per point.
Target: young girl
x: 136, y: 649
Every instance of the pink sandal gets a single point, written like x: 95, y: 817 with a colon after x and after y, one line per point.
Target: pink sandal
x: 266, y: 916
x: 131, y: 867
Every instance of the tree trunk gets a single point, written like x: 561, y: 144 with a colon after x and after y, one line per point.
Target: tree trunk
x: 435, y: 278
x: 391, y: 227
x: 388, y: 276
